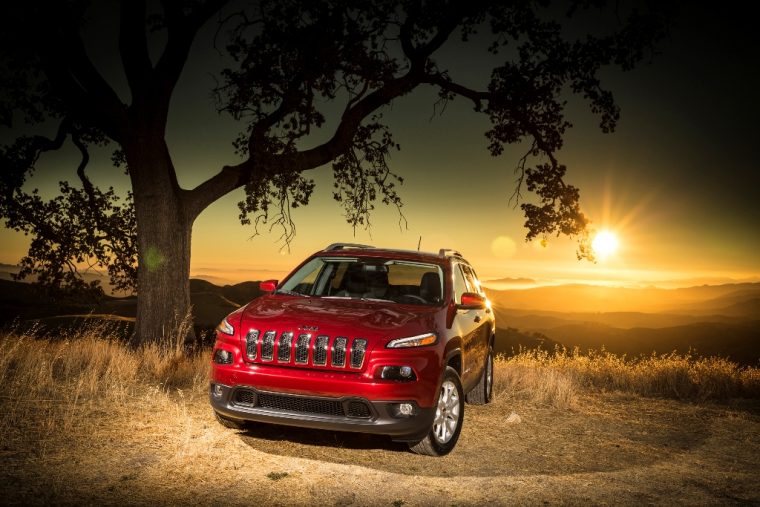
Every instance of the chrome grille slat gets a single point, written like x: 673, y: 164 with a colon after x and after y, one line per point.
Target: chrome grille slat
x: 358, y: 348
x: 251, y: 343
x: 284, y: 346
x: 267, y: 346
x: 319, y: 356
x: 339, y: 351
x: 302, y: 348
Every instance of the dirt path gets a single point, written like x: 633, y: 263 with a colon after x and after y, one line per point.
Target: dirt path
x: 610, y: 449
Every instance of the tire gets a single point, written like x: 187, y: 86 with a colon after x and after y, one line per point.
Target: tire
x: 483, y: 391
x: 449, y: 417
x: 229, y: 423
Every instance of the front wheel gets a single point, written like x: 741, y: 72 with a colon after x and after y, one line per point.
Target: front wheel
x: 483, y: 391
x: 449, y: 415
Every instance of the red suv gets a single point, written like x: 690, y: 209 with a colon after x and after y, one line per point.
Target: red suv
x: 360, y: 339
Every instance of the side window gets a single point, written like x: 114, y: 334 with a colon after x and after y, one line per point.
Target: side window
x: 460, y: 285
x: 472, y: 280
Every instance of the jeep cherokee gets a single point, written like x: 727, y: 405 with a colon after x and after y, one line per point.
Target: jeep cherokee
x: 360, y: 339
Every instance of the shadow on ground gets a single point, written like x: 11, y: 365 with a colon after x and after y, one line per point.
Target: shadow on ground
x: 598, y: 437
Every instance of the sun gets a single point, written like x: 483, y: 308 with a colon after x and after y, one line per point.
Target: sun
x: 605, y: 244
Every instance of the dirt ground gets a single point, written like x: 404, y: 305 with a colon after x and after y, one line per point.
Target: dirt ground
x: 166, y: 449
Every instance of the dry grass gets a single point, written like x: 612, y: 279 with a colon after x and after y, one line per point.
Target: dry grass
x: 85, y: 419
x: 51, y: 380
x: 556, y: 378
x: 92, y: 362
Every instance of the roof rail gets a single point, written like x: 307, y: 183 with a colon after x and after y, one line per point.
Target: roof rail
x: 446, y: 252
x: 343, y: 246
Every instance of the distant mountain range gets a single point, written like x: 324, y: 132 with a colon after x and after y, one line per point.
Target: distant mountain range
x: 712, y: 319
x: 730, y: 299
x: 24, y: 301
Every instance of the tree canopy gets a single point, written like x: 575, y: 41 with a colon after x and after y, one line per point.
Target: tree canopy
x: 290, y: 60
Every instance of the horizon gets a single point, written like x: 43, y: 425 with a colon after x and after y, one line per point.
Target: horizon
x: 222, y: 277
x: 678, y: 194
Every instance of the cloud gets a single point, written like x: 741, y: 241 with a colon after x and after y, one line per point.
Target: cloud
x: 503, y: 247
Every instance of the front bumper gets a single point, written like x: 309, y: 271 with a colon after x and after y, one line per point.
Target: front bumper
x: 348, y: 413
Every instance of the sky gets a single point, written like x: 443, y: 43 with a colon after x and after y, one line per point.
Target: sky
x: 678, y: 182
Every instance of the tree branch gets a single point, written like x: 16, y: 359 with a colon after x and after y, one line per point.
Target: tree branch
x: 258, y: 132
x: 443, y: 82
x: 350, y: 121
x: 46, y: 144
x: 182, y: 30
x: 103, y: 105
x: 133, y: 46
x: 222, y: 183
x: 232, y: 177
x: 86, y: 183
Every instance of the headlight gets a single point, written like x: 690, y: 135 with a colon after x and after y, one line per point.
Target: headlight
x: 413, y: 341
x: 225, y: 327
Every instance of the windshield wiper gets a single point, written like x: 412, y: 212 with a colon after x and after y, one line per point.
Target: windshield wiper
x: 377, y: 299
x: 290, y: 293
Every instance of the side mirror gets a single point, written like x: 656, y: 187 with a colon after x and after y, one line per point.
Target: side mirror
x: 268, y: 286
x: 472, y: 301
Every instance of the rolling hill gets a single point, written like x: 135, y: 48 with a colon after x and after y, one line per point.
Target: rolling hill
x: 709, y: 320
x: 24, y: 301
x: 712, y: 320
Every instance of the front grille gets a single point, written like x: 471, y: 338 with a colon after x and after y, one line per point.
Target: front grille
x: 245, y: 397
x: 358, y: 347
x: 356, y: 409
x: 320, y: 350
x: 251, y: 343
x: 301, y: 404
x: 267, y: 346
x: 339, y: 351
x: 304, y: 350
x: 284, y: 346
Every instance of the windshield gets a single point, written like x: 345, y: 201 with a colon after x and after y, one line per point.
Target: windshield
x: 399, y: 281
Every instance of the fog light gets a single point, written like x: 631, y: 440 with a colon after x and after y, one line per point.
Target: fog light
x: 217, y: 391
x: 402, y: 373
x: 407, y: 409
x: 222, y: 356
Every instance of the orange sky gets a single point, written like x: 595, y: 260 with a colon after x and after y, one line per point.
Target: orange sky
x: 677, y: 181
x: 457, y: 196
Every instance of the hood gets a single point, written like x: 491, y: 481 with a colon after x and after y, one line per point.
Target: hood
x: 348, y: 317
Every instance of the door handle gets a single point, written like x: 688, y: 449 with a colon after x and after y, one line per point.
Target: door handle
x: 477, y: 319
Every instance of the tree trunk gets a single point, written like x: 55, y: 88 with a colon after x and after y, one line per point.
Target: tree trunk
x: 163, y: 243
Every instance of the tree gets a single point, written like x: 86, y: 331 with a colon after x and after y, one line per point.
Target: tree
x: 291, y: 57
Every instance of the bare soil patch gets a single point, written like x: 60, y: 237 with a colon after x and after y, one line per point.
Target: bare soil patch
x: 165, y: 448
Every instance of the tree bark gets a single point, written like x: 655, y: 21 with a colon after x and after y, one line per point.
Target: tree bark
x: 164, y: 229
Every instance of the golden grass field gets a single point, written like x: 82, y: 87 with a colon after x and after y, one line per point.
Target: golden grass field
x: 86, y: 420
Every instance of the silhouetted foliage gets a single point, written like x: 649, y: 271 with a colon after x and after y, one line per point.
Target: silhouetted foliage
x: 293, y: 61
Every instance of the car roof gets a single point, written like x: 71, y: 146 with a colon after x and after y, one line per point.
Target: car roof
x: 354, y: 250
